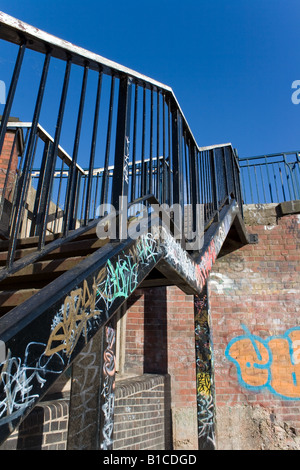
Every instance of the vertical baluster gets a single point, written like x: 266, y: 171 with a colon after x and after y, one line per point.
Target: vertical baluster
x: 164, y: 174
x: 104, y: 188
x: 28, y: 162
x: 177, y: 165
x: 93, y: 149
x: 158, y: 196
x: 70, y: 199
x: 53, y: 153
x: 143, y: 171
x: 121, y: 165
x: 151, y: 146
x: 133, y: 171
x: 11, y: 93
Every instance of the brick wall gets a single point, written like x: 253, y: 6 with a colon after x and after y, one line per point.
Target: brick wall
x: 9, y: 160
x: 8, y: 173
x: 161, y: 340
x: 255, y: 306
x: 45, y: 428
x: 142, y: 414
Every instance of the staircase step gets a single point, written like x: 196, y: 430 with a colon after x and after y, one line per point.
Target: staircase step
x: 33, y: 241
x: 42, y: 270
x: 11, y: 298
x: 80, y: 247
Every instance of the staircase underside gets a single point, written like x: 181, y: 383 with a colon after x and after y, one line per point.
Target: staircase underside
x: 46, y: 324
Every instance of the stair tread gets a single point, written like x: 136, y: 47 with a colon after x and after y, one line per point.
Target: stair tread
x: 33, y: 241
x: 47, y: 267
x: 72, y: 248
x: 12, y: 298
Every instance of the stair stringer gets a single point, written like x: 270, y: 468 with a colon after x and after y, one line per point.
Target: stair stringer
x: 188, y: 272
x: 40, y: 338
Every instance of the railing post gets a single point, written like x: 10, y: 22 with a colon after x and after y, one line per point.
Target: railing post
x: 214, y: 183
x: 177, y: 165
x: 25, y: 176
x: 226, y: 173
x: 11, y: 93
x: 121, y: 166
x: 71, y: 195
x: 54, y: 148
x: 42, y: 191
x: 194, y: 184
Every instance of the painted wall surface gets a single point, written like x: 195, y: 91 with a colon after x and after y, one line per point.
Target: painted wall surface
x: 255, y: 306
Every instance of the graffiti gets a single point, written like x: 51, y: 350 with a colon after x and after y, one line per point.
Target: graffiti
x: 84, y: 399
x: 80, y: 315
x: 205, y: 387
x: 268, y: 364
x: 81, y: 311
x: 179, y: 258
x: 18, y: 379
x: 203, y: 383
x: 196, y: 271
x: 205, y: 422
x: 108, y: 391
x: 72, y: 320
x: 126, y: 162
x: 76, y: 318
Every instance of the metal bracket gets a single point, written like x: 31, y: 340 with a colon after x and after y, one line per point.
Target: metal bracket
x: 253, y: 238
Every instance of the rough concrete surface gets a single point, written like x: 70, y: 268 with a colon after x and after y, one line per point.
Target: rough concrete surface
x: 260, y: 214
x: 245, y: 427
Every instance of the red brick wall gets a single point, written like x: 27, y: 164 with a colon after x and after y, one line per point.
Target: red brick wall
x: 9, y: 150
x: 161, y: 340
x: 255, y: 307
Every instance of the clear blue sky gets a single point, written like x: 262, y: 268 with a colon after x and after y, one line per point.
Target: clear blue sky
x: 231, y: 63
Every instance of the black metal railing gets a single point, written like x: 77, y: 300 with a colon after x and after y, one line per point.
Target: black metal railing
x: 115, y: 133
x: 271, y: 178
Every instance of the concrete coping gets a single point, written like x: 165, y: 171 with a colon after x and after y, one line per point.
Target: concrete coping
x: 268, y: 214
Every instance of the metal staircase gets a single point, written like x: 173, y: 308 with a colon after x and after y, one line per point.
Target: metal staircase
x: 60, y: 281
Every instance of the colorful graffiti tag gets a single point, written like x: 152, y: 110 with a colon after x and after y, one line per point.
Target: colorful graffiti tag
x: 77, y: 318
x: 108, y: 391
x: 272, y: 363
x: 205, y: 401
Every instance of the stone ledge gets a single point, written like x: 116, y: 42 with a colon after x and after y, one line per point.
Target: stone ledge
x: 288, y: 208
x: 268, y: 214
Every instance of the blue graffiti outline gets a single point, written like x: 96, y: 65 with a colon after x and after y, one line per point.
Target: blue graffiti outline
x: 265, y: 342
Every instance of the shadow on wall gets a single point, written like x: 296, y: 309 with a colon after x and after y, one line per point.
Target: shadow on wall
x: 155, y: 331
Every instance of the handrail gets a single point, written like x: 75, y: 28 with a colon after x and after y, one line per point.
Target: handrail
x: 14, y: 30
x: 46, y: 138
x: 271, y: 178
x: 141, y: 140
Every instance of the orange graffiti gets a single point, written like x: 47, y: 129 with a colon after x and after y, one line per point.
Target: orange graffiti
x: 272, y: 363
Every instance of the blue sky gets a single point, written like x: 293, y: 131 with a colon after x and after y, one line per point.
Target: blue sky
x: 231, y: 63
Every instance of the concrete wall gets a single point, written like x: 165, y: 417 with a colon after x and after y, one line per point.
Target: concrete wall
x: 255, y: 304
